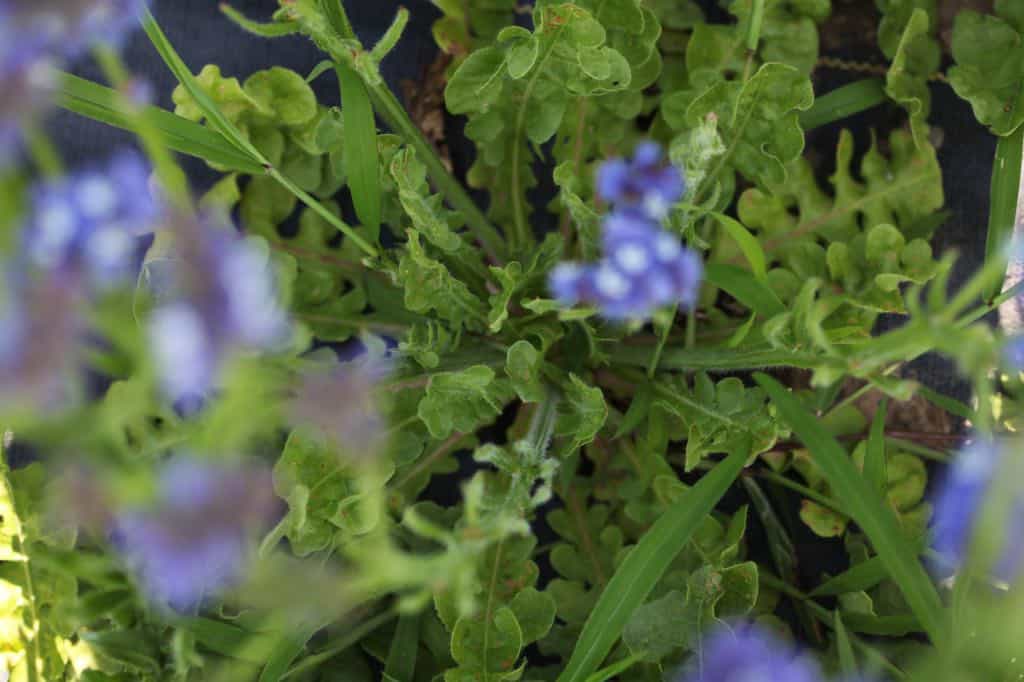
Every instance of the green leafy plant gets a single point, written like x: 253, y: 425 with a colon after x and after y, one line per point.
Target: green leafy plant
x: 425, y: 440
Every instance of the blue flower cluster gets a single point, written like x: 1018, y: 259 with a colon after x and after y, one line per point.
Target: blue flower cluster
x: 960, y: 502
x: 746, y: 652
x: 644, y: 267
x: 223, y: 298
x: 89, y: 223
x: 36, y: 29
x: 81, y: 236
x: 37, y: 34
x: 191, y: 543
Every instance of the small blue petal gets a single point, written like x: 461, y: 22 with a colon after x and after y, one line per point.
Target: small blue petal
x: 184, y: 353
x: 647, y: 154
x: 256, y: 313
x: 612, y: 179
x: 642, y: 186
x: 567, y: 283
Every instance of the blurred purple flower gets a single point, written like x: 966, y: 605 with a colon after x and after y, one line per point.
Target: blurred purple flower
x: 960, y: 501
x: 1013, y: 352
x: 25, y: 89
x: 224, y: 298
x: 644, y: 268
x: 642, y: 186
x: 67, y: 28
x: 39, y: 332
x: 37, y: 34
x: 191, y: 543
x: 749, y: 653
x: 342, y: 404
x: 89, y: 222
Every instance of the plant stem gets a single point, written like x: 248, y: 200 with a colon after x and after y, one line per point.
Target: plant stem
x: 983, y: 310
x: 335, y: 11
x: 320, y: 210
x: 802, y: 489
x: 349, y: 639
x: 663, y: 339
x: 521, y: 233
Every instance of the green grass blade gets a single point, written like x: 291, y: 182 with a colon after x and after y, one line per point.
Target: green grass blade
x: 858, y: 578
x: 756, y: 21
x: 323, y: 212
x: 181, y: 71
x: 234, y: 136
x: 748, y: 244
x: 638, y: 410
x: 644, y: 566
x: 287, y: 650
x: 98, y: 102
x: 617, y: 668
x: 866, y: 507
x: 1002, y: 206
x: 874, y: 459
x: 847, y: 662
x: 715, y: 359
x: 745, y: 288
x: 362, y: 160
x: 401, y: 663
x: 882, y: 626
x: 230, y: 640
x: 951, y: 405
x: 341, y: 643
x: 842, y: 102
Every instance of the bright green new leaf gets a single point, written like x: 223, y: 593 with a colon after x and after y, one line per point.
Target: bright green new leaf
x: 907, y: 80
x: 425, y: 211
x: 989, y: 70
x: 758, y: 120
x: 463, y: 401
x: 523, y: 367
x: 226, y: 93
x: 477, y: 83
x: 582, y: 412
x: 284, y: 93
x: 429, y: 285
x: 896, y: 14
